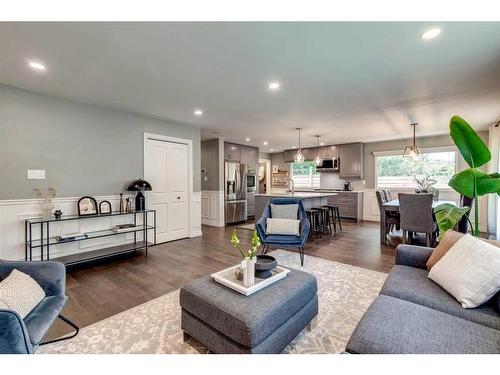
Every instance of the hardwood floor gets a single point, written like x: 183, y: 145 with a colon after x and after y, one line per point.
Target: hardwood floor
x: 99, y: 291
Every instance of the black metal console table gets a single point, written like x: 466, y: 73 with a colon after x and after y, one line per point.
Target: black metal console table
x: 45, y: 242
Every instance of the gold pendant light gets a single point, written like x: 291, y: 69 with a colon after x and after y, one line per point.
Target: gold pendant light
x: 318, y: 160
x: 299, y: 156
x: 413, y: 151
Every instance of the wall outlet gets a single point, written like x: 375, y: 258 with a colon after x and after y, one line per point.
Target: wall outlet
x: 205, y: 178
x: 36, y: 174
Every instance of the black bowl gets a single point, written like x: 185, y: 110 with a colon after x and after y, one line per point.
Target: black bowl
x: 264, y: 265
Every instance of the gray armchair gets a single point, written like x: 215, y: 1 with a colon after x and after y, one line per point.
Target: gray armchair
x: 23, y: 336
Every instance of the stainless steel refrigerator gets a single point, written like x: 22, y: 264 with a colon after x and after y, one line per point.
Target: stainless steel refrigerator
x: 235, y: 200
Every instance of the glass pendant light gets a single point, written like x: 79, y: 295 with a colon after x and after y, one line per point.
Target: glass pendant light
x: 299, y: 156
x: 413, y: 151
x: 318, y: 160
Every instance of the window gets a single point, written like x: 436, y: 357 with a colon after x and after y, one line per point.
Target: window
x: 396, y: 171
x: 304, y: 175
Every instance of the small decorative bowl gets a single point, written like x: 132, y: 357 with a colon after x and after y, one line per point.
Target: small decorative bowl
x: 264, y: 266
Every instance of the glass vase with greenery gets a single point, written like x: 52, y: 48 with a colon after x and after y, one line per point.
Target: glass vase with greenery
x: 472, y: 182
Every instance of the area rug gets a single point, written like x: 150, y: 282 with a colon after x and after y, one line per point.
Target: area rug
x: 344, y: 293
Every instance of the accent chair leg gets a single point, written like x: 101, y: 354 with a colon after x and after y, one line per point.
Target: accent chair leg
x: 68, y: 322
x: 301, y: 252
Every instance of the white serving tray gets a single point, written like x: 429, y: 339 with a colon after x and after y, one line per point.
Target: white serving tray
x: 228, y: 278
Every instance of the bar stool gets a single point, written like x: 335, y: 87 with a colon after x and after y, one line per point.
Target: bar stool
x: 335, y: 214
x: 325, y: 220
x: 314, y: 217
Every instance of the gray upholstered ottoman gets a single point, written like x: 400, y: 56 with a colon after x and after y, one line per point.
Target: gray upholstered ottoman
x: 226, y: 321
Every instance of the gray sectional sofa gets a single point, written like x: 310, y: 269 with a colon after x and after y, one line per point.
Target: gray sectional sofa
x: 413, y: 314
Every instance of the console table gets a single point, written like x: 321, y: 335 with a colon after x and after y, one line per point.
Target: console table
x: 46, y: 242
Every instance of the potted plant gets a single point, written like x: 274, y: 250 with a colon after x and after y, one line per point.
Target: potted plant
x: 249, y: 259
x: 426, y: 185
x: 471, y: 182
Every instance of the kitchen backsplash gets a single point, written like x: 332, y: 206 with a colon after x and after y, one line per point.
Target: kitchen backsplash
x: 333, y: 181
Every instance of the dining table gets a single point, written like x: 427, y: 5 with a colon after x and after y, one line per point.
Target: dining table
x: 393, y: 206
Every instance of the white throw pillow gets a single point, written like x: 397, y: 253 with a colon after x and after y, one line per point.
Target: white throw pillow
x: 20, y: 293
x: 283, y: 226
x: 284, y: 211
x: 469, y: 271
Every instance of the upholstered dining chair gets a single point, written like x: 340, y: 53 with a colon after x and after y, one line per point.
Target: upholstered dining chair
x: 416, y: 216
x: 393, y: 219
x: 23, y: 336
x: 280, y: 240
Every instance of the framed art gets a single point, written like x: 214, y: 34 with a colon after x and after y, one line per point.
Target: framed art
x: 87, y: 206
x: 276, y: 169
x: 104, y: 208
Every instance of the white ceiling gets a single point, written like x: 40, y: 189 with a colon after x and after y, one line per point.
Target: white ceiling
x: 345, y: 81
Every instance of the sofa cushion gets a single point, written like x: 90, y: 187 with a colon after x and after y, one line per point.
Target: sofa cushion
x: 394, y: 326
x: 42, y: 316
x: 412, y: 284
x: 469, y: 271
x: 449, y: 239
x: 283, y: 226
x: 282, y: 240
x: 248, y: 320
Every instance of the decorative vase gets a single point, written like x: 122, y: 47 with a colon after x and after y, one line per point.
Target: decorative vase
x: 47, y: 206
x: 249, y: 271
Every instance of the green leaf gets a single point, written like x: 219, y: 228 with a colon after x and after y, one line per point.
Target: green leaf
x: 447, y: 216
x: 470, y: 145
x: 463, y: 182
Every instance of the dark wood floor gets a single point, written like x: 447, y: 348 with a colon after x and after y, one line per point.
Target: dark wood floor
x: 99, y: 291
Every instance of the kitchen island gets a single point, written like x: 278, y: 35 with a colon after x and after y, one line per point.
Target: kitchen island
x: 309, y: 199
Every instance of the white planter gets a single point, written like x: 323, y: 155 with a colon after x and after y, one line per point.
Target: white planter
x: 249, y: 271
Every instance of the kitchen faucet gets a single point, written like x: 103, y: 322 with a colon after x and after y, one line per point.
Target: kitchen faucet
x: 292, y: 190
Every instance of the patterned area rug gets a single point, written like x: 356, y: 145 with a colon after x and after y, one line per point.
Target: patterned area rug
x: 345, y: 292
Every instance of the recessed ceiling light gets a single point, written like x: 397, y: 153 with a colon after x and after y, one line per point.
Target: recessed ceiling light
x: 431, y: 33
x: 322, y: 144
x: 274, y: 85
x: 247, y: 139
x: 198, y: 112
x: 36, y: 65
x: 271, y: 149
x: 294, y: 146
x: 265, y: 143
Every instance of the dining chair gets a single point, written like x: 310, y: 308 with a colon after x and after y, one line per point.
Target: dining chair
x: 416, y: 216
x: 392, y: 218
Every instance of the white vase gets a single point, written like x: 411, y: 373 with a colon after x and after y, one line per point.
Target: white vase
x: 249, y: 271
x: 47, y: 207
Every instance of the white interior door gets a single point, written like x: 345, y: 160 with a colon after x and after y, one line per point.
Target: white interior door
x: 166, y: 168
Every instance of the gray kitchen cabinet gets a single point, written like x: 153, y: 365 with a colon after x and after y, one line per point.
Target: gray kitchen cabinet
x: 250, y: 157
x: 351, y: 160
x: 350, y: 204
x: 289, y: 154
x: 232, y: 151
x: 329, y: 152
x: 250, y: 204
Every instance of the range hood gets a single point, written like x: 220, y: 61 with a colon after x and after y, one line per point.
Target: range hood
x: 329, y: 165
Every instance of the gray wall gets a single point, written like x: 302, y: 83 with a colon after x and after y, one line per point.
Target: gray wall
x: 85, y: 149
x: 210, y: 161
x: 278, y: 159
x: 264, y: 155
x: 423, y: 142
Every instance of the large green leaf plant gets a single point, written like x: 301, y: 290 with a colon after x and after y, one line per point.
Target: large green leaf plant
x: 471, y: 182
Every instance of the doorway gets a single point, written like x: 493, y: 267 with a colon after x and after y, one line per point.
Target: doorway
x: 264, y: 176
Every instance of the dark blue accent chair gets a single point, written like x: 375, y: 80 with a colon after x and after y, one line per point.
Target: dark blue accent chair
x: 277, y: 240
x: 23, y: 336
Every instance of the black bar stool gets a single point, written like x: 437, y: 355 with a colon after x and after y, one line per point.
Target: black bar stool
x: 314, y: 216
x: 335, y: 214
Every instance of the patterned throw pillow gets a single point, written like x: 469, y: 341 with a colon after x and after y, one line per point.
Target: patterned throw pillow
x: 20, y: 293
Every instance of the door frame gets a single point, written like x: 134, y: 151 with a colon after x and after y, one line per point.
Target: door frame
x: 189, y: 144
x: 267, y: 178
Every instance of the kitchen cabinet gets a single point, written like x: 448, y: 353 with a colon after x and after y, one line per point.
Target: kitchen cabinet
x: 351, y: 161
x: 232, y: 151
x: 250, y: 204
x: 350, y: 204
x: 329, y: 152
x: 250, y: 157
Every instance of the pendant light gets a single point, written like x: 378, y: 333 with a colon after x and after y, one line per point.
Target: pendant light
x: 318, y: 160
x: 299, y: 156
x: 413, y: 151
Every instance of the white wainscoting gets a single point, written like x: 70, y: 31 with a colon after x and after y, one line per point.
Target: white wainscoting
x: 212, y: 208
x: 13, y: 213
x: 371, y: 211
x: 195, y: 215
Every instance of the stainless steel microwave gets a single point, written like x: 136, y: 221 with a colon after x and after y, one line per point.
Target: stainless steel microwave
x: 251, y: 182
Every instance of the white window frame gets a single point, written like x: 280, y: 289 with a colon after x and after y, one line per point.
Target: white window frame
x: 424, y: 151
